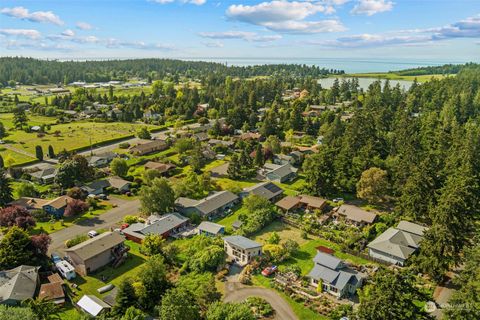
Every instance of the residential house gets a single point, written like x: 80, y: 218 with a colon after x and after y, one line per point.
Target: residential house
x: 267, y: 190
x: 224, y: 143
x: 213, y: 205
x: 305, y: 202
x: 356, y: 215
x: 53, y: 290
x: 241, y: 249
x: 18, y: 284
x: 210, y: 229
x: 148, y: 146
x: 278, y: 173
x: 96, y: 187
x: 200, y: 136
x: 92, y: 305
x: 163, y: 168
x: 250, y: 136
x: 334, y: 276
x: 101, y: 160
x: 59, y: 90
x: 396, y: 245
x: 164, y: 226
x: 56, y: 207
x: 294, y: 158
x: 119, y: 184
x: 197, y: 127
x: 29, y: 204
x: 44, y: 176
x: 97, y: 252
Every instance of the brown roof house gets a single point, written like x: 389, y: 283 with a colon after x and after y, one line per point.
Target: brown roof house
x: 356, y: 215
x: 18, y: 284
x: 97, y: 252
x: 53, y: 291
x: 148, y: 146
x: 30, y: 204
x: 291, y: 203
x: 120, y: 184
x: 57, y: 206
x: 163, y: 168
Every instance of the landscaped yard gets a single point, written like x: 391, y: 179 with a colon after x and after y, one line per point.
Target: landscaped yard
x: 230, y: 219
x: 56, y: 225
x: 303, y: 258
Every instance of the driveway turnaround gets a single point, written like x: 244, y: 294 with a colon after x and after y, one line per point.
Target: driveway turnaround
x: 236, y: 292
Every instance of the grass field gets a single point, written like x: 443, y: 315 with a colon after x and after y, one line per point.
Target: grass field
x: 71, y: 136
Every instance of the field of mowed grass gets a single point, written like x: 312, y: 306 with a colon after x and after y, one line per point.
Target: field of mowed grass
x: 71, y: 136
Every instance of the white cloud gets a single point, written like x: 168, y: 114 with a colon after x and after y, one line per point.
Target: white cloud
x: 68, y: 33
x: 214, y: 44
x: 23, y: 33
x: 322, y: 26
x: 37, y: 16
x: 195, y: 2
x: 467, y: 28
x: 371, y: 7
x: 243, y: 35
x: 286, y: 16
x: 44, y: 46
x: 83, y: 25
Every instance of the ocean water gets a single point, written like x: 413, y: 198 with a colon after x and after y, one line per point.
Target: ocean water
x: 349, y: 65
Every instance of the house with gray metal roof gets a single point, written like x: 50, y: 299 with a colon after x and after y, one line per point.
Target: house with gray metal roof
x: 210, y: 229
x: 164, y: 226
x: 214, y: 205
x: 18, y: 284
x: 334, y: 276
x: 241, y: 249
x: 267, y: 190
x: 396, y: 245
x: 278, y: 173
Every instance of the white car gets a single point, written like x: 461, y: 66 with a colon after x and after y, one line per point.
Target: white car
x: 2, y: 142
x: 92, y: 233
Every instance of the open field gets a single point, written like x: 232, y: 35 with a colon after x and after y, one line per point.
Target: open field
x: 21, y: 145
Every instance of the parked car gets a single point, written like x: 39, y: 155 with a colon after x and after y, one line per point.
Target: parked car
x: 102, y: 196
x: 268, y: 271
x: 336, y: 200
x: 92, y: 233
x: 55, y: 258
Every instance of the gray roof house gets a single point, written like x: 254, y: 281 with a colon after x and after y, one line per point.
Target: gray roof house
x: 356, y: 215
x: 241, y: 249
x: 213, y: 205
x: 267, y: 190
x: 334, y: 276
x: 96, y: 187
x: 396, y: 245
x: 45, y: 176
x: 278, y: 173
x: 101, y: 160
x: 210, y: 229
x: 164, y: 225
x: 18, y: 284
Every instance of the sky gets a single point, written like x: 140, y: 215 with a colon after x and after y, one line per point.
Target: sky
x: 431, y: 30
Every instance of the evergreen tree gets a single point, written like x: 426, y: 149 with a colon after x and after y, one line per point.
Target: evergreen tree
x: 19, y: 117
x: 5, y: 189
x: 2, y: 164
x: 51, y: 153
x: 259, y: 156
x: 125, y: 297
x: 39, y: 152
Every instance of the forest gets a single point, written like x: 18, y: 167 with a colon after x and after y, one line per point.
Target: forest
x: 34, y: 71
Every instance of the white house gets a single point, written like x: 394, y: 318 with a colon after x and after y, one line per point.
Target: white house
x: 241, y: 249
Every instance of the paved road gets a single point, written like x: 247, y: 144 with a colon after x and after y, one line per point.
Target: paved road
x: 237, y: 293
x: 106, y: 220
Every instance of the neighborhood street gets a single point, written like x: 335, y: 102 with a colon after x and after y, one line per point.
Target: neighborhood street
x: 104, y: 221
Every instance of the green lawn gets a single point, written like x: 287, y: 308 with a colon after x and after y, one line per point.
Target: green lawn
x: 303, y: 258
x: 229, y: 220
x: 71, y: 135
x: 227, y: 184
x: 56, y: 225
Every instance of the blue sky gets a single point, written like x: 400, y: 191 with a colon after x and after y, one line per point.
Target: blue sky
x: 436, y: 30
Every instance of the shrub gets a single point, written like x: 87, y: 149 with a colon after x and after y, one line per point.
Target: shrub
x: 124, y: 145
x: 74, y: 241
x: 130, y: 219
